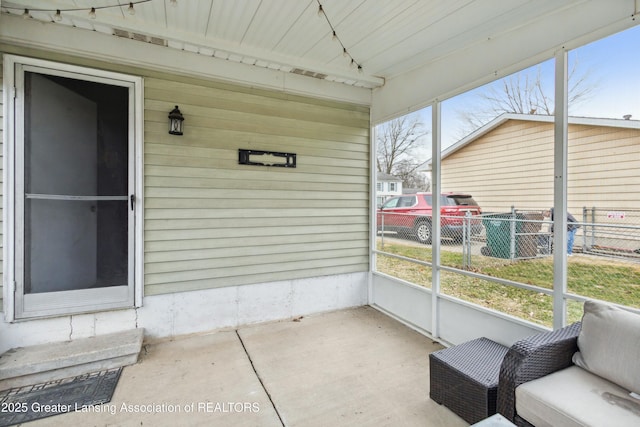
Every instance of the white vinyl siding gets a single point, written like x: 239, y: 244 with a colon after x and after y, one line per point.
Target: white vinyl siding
x: 513, y: 165
x: 211, y: 222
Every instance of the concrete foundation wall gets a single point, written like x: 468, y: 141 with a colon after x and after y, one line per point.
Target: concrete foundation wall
x: 166, y: 316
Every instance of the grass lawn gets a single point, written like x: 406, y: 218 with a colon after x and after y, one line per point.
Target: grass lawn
x: 601, y: 278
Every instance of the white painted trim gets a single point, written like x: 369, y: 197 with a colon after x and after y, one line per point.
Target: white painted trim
x: 117, y: 50
x: 138, y: 131
x: 436, y: 227
x: 8, y: 223
x: 410, y: 325
x: 500, y: 56
x: 458, y: 320
x: 53, y: 306
x: 373, y: 208
x: 560, y: 172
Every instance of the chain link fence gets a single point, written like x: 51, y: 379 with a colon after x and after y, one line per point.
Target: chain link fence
x: 517, y: 247
x: 418, y: 227
x: 527, y: 233
x: 612, y: 232
x: 516, y: 235
x: 521, y: 233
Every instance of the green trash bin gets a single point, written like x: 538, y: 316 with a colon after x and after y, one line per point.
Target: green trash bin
x: 498, y: 229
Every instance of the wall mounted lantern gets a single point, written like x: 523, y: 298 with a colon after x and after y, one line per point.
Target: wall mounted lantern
x: 175, y: 121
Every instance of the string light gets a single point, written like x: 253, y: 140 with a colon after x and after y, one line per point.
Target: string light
x: 173, y: 3
x: 334, y: 36
x: 92, y: 11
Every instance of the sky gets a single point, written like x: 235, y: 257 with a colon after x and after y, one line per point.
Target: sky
x: 612, y: 67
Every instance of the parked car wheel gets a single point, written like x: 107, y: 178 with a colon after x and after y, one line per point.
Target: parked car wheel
x: 422, y: 231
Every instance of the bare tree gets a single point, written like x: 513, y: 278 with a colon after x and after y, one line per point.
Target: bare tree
x: 411, y: 176
x: 524, y: 93
x: 397, y: 142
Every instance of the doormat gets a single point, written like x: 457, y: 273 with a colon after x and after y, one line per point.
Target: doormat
x: 23, y: 404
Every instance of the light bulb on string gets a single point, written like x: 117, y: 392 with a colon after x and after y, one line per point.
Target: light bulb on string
x: 334, y: 37
x: 57, y: 16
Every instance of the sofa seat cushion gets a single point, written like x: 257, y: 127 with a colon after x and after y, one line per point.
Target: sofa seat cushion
x: 574, y: 397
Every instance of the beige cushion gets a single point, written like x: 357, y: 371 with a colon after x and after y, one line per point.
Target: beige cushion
x: 574, y: 397
x: 609, y: 344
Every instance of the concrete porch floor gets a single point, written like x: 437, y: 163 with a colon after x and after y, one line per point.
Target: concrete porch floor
x: 355, y: 367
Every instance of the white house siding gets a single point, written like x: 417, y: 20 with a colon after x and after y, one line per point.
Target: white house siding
x: 210, y: 222
x: 512, y: 165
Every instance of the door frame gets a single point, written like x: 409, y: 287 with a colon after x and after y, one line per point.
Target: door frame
x: 12, y: 120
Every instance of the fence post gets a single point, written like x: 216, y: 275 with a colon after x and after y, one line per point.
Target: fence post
x: 512, y: 234
x: 584, y: 238
x: 593, y: 227
x: 466, y: 240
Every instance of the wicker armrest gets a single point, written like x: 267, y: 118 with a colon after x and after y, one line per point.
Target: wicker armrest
x: 531, y: 358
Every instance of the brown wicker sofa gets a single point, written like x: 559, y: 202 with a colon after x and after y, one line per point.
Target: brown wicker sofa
x: 548, y: 379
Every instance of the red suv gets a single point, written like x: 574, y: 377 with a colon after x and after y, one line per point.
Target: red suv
x: 410, y: 214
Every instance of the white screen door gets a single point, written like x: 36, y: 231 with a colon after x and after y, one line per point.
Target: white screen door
x: 74, y: 193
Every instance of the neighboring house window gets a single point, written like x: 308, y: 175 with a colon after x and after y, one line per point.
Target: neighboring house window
x: 75, y: 185
x: 380, y: 185
x: 393, y: 186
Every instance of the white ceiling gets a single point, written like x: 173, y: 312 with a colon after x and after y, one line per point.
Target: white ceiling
x: 386, y: 37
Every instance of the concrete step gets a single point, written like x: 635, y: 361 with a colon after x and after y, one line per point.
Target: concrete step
x: 54, y: 361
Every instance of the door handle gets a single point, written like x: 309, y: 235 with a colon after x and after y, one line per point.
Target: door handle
x: 133, y: 200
